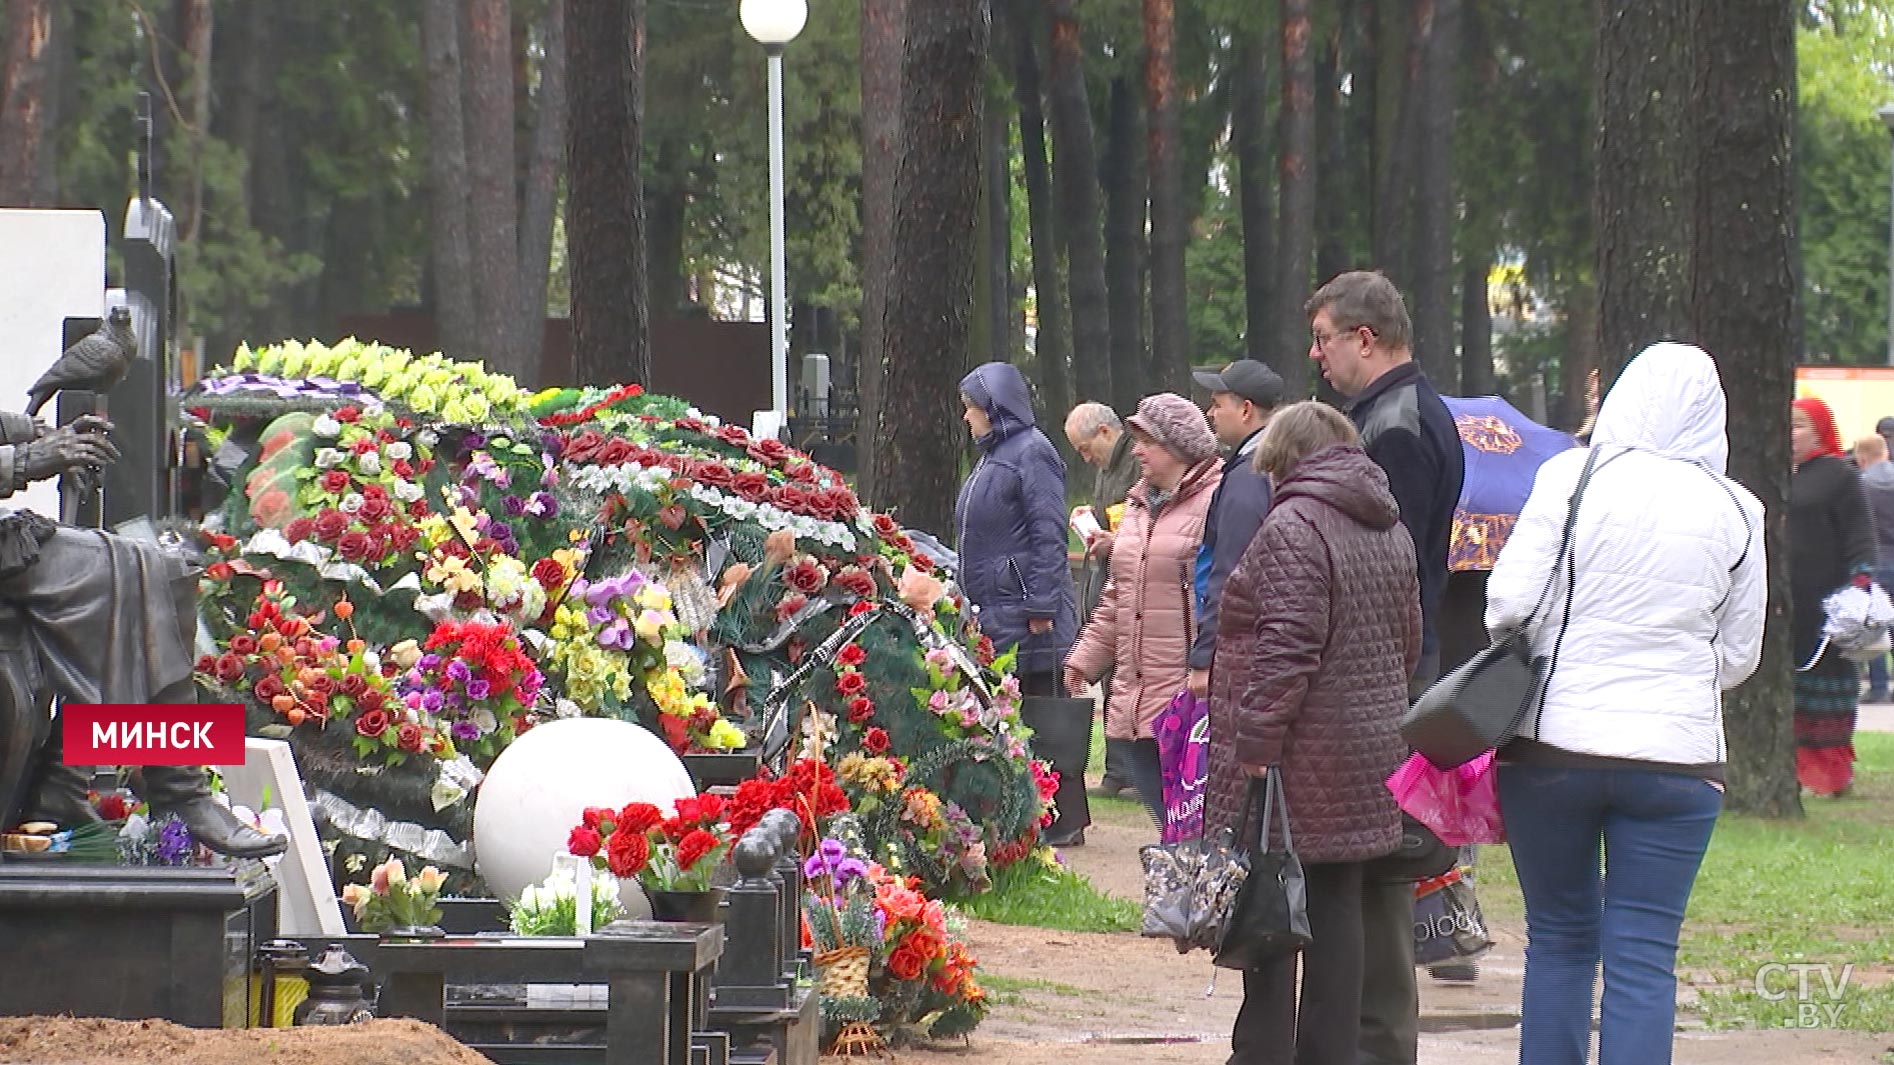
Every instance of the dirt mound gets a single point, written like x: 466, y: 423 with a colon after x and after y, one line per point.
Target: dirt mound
x: 95, y: 1041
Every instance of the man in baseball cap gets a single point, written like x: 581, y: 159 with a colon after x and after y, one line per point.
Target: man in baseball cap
x: 1242, y: 398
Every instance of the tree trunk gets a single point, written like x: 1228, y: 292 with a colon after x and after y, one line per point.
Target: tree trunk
x: 1075, y: 170
x: 936, y: 198
x: 194, y: 34
x: 1438, y: 22
x: 457, y: 330
x: 1331, y: 140
x: 486, y: 72
x: 1125, y: 202
x: 666, y: 198
x: 881, y: 35
x: 1249, y: 136
x: 1397, y: 62
x: 1170, y: 322
x: 1748, y: 314
x: 1050, y: 346
x: 1296, y: 141
x: 542, y: 184
x: 605, y: 241
x: 1645, y: 188
x: 1696, y: 241
x: 23, y: 99
x: 1476, y: 326
x: 1003, y: 322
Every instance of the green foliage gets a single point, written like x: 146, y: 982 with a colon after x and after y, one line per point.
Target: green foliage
x: 1842, y: 76
x: 1213, y: 271
x: 1051, y: 896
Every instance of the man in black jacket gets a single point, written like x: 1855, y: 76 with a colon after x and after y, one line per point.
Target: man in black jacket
x: 1361, y: 338
x: 1242, y: 398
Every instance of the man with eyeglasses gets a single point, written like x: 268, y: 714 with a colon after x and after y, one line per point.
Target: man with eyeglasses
x: 1362, y: 341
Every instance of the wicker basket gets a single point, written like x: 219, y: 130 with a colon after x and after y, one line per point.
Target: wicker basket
x: 844, y: 972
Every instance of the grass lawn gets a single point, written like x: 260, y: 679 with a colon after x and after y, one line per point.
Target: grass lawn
x: 1029, y: 893
x: 1774, y: 894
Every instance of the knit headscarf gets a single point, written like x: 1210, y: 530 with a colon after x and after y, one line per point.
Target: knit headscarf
x: 1824, y: 422
x: 1177, y: 424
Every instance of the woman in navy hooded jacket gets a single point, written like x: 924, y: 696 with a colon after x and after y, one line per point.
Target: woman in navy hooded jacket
x: 1010, y: 521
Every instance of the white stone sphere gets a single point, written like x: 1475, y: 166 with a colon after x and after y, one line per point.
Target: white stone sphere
x: 540, y: 785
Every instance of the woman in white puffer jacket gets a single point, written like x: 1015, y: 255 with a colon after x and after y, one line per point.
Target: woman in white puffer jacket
x: 1657, y: 612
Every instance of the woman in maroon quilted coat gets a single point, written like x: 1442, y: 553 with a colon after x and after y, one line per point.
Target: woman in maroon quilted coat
x: 1321, y: 629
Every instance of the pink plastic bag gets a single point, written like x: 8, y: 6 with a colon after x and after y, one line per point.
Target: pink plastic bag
x: 1461, y: 804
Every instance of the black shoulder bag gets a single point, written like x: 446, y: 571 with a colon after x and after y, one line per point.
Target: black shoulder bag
x: 1481, y: 705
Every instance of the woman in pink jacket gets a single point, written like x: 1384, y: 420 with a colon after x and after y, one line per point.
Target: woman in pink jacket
x: 1142, y: 627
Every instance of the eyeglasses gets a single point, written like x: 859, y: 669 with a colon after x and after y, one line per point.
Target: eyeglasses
x: 1322, y: 340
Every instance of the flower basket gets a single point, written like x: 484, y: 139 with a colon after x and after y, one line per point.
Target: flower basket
x: 844, y: 972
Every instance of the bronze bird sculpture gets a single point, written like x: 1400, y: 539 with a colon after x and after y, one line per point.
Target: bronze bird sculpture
x: 94, y: 364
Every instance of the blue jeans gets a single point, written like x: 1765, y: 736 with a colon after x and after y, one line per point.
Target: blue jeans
x: 1653, y: 828
x: 1147, y: 775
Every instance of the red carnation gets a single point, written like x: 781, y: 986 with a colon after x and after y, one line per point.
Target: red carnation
x: 856, y: 581
x: 355, y: 546
x: 583, y: 841
x: 685, y: 809
x: 860, y: 710
x: 372, y: 723
x: 348, y: 415
x: 807, y: 576
x: 626, y: 853
x: 875, y: 741
x: 409, y: 737
x: 985, y: 651
x: 710, y: 808
x: 418, y: 509
x: 597, y: 817
x: 403, y: 469
x: 851, y: 684
x: 692, y: 848
x: 335, y: 482
x: 299, y: 529
x: 851, y: 654
x: 330, y: 525
x: 905, y: 964
x: 638, y: 818
x: 549, y: 573
x: 363, y: 446
x: 715, y: 474
x: 113, y: 807
x: 768, y: 450
x: 375, y: 509
x: 584, y: 446
x: 790, y: 604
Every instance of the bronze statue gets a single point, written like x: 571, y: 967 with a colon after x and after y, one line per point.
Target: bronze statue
x: 91, y: 617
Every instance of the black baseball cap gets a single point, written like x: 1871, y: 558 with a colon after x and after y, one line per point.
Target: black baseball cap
x: 1246, y: 378
x: 1885, y: 426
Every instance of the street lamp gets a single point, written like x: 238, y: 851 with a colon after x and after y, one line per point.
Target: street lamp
x: 774, y: 23
x: 1887, y: 118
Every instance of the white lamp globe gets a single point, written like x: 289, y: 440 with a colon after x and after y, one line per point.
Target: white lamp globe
x: 773, y: 23
x: 541, y: 784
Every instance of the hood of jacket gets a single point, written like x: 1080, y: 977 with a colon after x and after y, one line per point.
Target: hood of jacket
x: 1001, y: 390
x: 1669, y: 401
x: 1344, y: 477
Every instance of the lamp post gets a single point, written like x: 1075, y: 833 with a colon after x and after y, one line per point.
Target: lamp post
x: 1887, y: 118
x: 774, y: 23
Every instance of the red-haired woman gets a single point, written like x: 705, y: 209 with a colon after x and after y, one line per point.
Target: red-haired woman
x: 1832, y: 543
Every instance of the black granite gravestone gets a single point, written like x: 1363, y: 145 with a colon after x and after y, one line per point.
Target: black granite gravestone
x: 133, y: 942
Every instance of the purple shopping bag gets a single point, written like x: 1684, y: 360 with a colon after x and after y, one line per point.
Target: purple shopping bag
x: 1183, y: 750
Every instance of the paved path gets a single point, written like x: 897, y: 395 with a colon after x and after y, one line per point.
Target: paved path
x: 1875, y: 717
